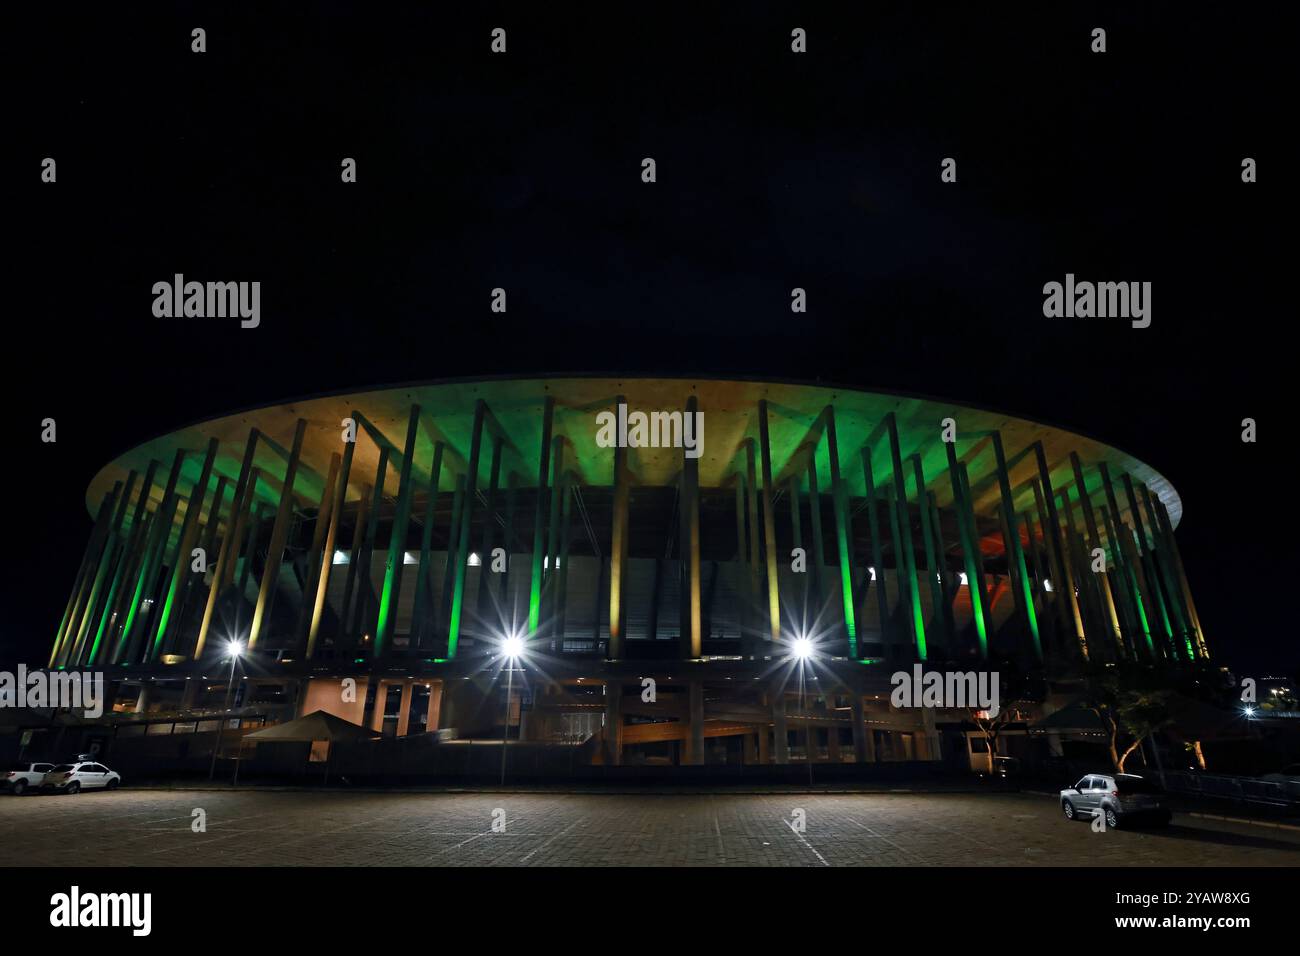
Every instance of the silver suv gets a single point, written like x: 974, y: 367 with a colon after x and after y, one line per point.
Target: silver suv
x: 1118, y: 797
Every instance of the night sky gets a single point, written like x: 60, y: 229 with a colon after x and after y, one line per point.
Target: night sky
x: 775, y: 170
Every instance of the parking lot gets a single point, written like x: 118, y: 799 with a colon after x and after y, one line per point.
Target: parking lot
x: 270, y: 828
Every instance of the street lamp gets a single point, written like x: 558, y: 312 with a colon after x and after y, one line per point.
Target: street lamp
x: 234, y: 649
x: 512, y: 648
x: 803, y: 650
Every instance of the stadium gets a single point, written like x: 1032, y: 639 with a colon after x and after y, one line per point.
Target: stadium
x: 630, y: 571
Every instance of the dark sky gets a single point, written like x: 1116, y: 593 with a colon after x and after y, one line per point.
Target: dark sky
x: 775, y: 170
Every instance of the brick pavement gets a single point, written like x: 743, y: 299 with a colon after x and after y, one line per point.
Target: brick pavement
x: 133, y: 828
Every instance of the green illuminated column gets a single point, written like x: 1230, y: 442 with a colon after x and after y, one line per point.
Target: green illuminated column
x: 1052, y: 525
x: 386, y: 624
x: 107, y: 559
x: 466, y: 522
x: 316, y: 556
x: 132, y: 633
x: 692, y: 636
x: 769, y: 530
x: 844, y: 539
x: 1106, y: 598
x: 279, y: 536
x: 1015, y: 556
x: 1041, y: 573
x: 877, y: 552
x: 969, y: 548
x: 453, y: 544
x: 184, y: 544
x: 909, y: 587
x: 931, y: 552
x: 424, y: 602
x: 539, y: 513
x: 229, y: 543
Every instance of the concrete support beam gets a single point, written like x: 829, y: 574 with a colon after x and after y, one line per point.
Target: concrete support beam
x: 279, y: 537
x: 769, y: 529
x: 613, y: 723
x: 423, y: 609
x: 844, y: 537
x: 386, y: 623
x: 539, y: 514
x: 181, y: 558
x: 780, y: 734
x: 229, y: 544
x: 695, y: 751
x: 692, y: 628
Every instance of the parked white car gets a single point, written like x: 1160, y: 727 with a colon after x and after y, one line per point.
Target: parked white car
x: 83, y: 775
x: 24, y: 777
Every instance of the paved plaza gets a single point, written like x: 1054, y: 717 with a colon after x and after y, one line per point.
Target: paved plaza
x: 270, y: 828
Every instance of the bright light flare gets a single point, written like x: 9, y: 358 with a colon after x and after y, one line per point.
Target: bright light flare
x: 803, y: 648
x: 513, y: 646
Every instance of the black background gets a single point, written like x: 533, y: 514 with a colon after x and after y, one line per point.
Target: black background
x: 775, y: 170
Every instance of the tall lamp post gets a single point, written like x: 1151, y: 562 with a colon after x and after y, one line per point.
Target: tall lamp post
x: 803, y: 652
x: 512, y: 649
x: 233, y: 650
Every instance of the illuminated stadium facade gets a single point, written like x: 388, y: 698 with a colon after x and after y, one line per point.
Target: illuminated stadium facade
x: 492, y: 557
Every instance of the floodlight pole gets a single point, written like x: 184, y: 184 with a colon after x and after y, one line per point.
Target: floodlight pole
x: 221, y: 725
x: 505, y: 733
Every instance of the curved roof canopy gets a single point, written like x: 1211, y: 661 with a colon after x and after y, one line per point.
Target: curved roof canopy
x: 731, y: 417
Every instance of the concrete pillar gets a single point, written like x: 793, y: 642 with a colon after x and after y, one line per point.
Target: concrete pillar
x: 692, y: 638
x: 833, y: 743
x: 751, y: 748
x: 142, y: 701
x: 404, y: 710
x: 189, y: 693
x: 780, y: 739
x: 844, y: 537
x: 695, y: 750
x: 769, y: 527
x: 877, y: 552
x: 338, y: 493
x: 279, y: 536
x: 433, y: 720
x: 618, y: 551
x: 229, y: 543
x: 763, y: 739
x: 864, y: 741
x: 930, y: 737
x: 613, y: 723
x: 376, y: 721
